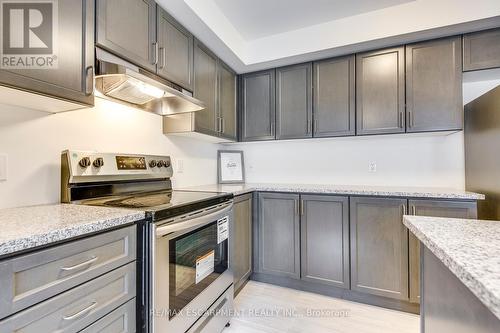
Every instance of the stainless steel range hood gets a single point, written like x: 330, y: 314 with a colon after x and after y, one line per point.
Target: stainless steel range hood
x: 123, y: 82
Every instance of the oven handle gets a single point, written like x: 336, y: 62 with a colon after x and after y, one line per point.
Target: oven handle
x: 193, y: 221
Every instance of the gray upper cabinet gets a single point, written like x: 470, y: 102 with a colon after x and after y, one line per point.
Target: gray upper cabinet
x: 205, y: 88
x: 241, y: 251
x: 482, y: 50
x: 257, y: 98
x: 334, y: 103
x: 325, y: 239
x: 175, y: 49
x: 379, y: 247
x: 72, y: 80
x: 294, y: 102
x: 128, y: 29
x: 380, y: 92
x: 227, y: 102
x: 436, y: 208
x: 278, y: 235
x: 434, y: 86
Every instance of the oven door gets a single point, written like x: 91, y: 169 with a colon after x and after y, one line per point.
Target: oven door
x: 190, y: 267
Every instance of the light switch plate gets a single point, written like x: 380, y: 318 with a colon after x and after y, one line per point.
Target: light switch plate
x: 3, y: 167
x: 372, y: 167
x: 180, y: 166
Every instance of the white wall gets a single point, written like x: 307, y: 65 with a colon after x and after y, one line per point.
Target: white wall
x: 33, y: 142
x: 402, y: 160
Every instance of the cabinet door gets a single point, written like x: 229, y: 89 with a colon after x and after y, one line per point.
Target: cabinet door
x: 325, y: 239
x: 227, y: 102
x: 175, y: 48
x: 257, y: 106
x: 294, y: 102
x: 434, y: 86
x: 242, y: 240
x: 436, y: 208
x: 72, y: 79
x: 482, y: 50
x: 279, y: 243
x: 128, y: 29
x: 205, y: 88
x: 379, y: 247
x: 334, y: 103
x: 380, y: 92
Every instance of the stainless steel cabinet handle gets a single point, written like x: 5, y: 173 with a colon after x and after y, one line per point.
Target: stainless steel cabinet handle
x: 156, y: 51
x: 89, y: 80
x: 401, y: 120
x: 81, y: 312
x: 222, y: 124
x: 410, y: 119
x: 301, y: 207
x: 404, y: 209
x: 163, y: 58
x: 81, y: 265
x: 413, y: 210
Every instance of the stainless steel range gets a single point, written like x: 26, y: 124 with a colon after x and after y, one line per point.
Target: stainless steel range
x: 185, y: 245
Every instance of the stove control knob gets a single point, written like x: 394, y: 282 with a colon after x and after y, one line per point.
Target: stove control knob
x: 84, y: 162
x: 160, y: 164
x: 152, y: 163
x: 166, y: 163
x: 98, y: 162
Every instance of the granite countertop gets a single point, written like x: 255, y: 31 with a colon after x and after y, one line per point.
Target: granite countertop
x: 29, y: 227
x: 413, y: 192
x: 469, y: 248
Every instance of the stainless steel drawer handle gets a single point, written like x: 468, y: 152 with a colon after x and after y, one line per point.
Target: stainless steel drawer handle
x: 81, y: 312
x: 81, y: 265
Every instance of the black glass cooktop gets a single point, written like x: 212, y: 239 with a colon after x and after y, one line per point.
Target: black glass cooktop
x: 163, y: 204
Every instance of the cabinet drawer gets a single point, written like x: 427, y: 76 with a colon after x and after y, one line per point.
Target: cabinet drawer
x: 33, y: 278
x: 78, y: 308
x: 121, y: 320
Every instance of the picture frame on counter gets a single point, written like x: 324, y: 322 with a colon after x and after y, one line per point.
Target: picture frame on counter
x: 230, y: 167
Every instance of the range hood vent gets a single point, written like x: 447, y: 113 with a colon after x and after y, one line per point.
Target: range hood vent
x: 128, y: 84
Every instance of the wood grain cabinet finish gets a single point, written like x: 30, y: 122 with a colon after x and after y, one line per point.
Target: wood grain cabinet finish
x: 436, y: 208
x: 279, y: 235
x: 175, y: 51
x: 294, y: 102
x: 242, y: 240
x: 205, y: 88
x: 32, y: 278
x: 258, y: 107
x: 73, y: 79
x: 227, y: 102
x: 482, y: 50
x: 380, y: 92
x: 434, y: 86
x: 128, y: 29
x: 325, y: 240
x: 379, y: 247
x: 79, y: 307
x: 334, y: 100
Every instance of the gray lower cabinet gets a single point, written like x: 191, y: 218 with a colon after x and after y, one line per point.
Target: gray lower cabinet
x: 334, y: 100
x: 175, y: 51
x: 279, y: 235
x: 379, y: 247
x: 128, y: 29
x: 121, y: 320
x: 205, y: 88
x: 436, y: 208
x: 380, y: 92
x: 227, y: 87
x: 481, y: 50
x: 241, y: 251
x: 72, y: 79
x: 294, y: 102
x: 434, y: 86
x: 325, y: 240
x: 257, y: 105
x: 76, y: 309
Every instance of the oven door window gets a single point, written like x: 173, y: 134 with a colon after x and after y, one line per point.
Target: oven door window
x: 196, y: 260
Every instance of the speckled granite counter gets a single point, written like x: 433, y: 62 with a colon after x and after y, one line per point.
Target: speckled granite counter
x: 469, y: 248
x: 29, y: 227
x: 413, y: 192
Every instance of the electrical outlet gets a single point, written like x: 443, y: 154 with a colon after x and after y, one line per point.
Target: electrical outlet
x: 3, y: 167
x: 372, y: 166
x: 180, y: 166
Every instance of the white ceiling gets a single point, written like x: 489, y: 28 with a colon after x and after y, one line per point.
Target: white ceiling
x: 255, y: 19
